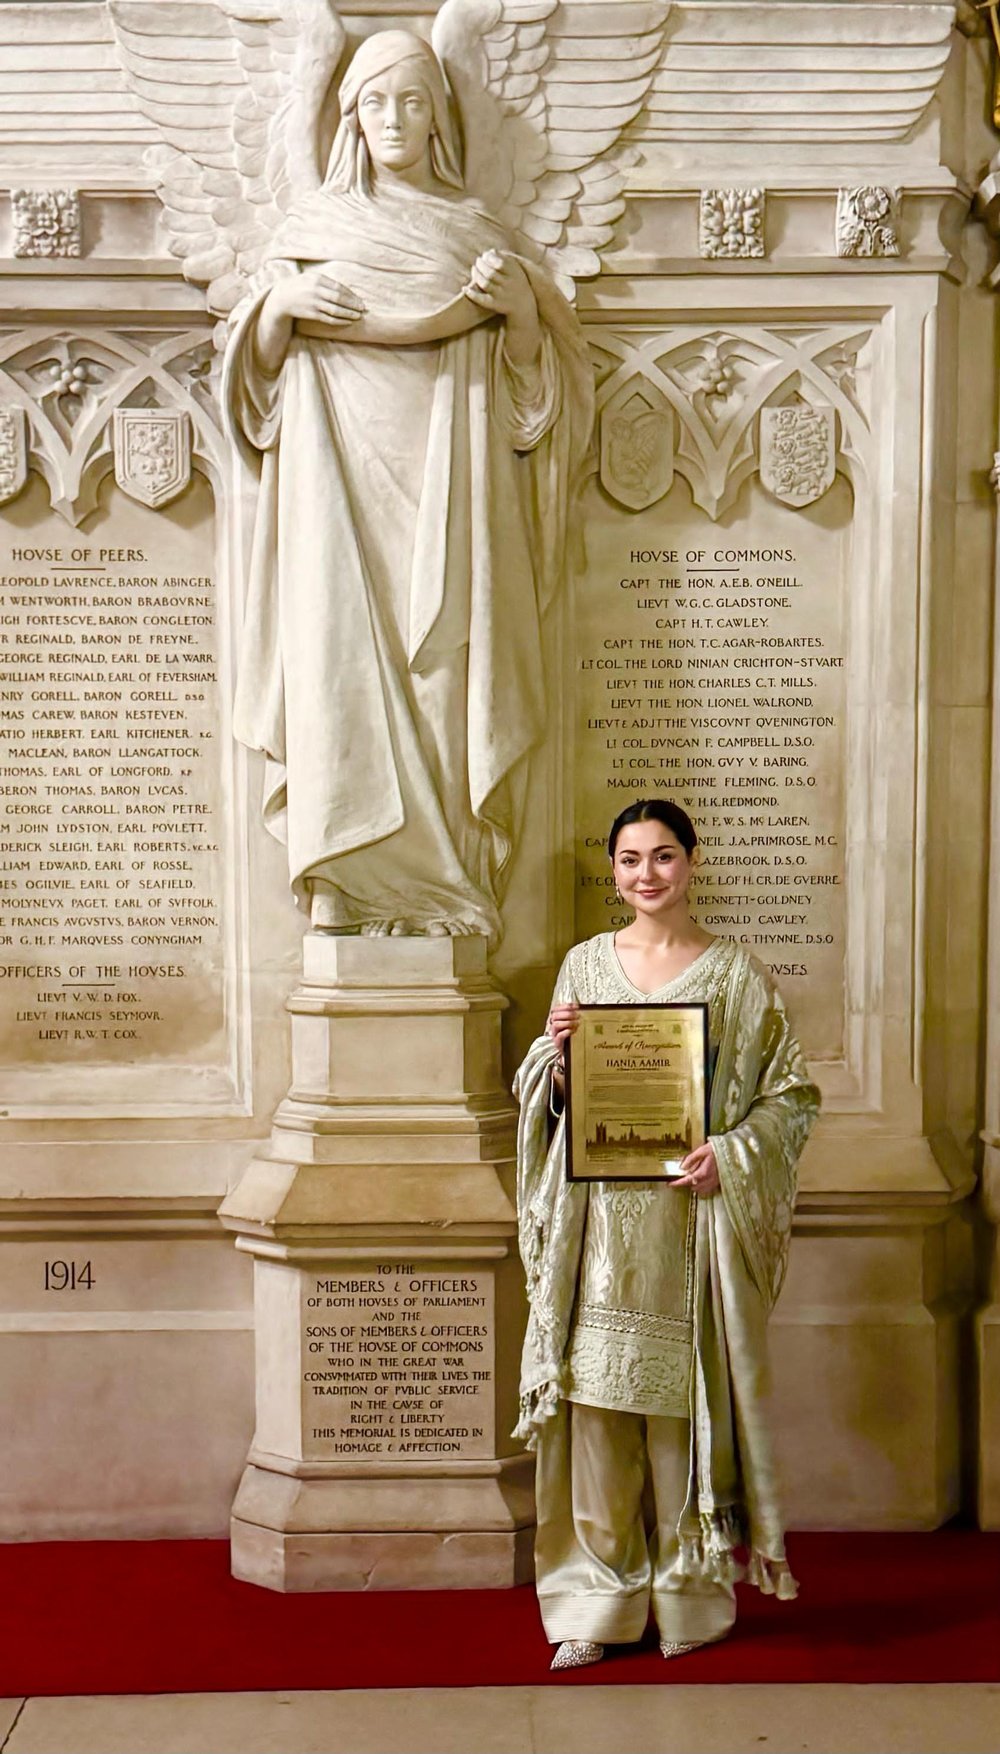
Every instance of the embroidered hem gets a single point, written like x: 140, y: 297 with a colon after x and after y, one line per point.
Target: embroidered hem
x: 632, y: 1372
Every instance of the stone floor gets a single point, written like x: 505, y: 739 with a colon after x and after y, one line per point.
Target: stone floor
x: 817, y: 1719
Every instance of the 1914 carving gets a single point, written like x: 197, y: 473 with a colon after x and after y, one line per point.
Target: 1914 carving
x: 396, y: 690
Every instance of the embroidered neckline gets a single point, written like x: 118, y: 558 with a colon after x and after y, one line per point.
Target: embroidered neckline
x: 693, y: 971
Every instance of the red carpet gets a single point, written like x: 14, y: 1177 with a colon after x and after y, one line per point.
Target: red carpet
x: 166, y: 1617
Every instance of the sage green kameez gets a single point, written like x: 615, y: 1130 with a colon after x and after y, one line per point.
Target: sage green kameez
x: 650, y: 1304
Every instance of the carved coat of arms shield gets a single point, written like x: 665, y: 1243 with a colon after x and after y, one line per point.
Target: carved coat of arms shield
x: 13, y: 452
x: 152, y: 453
x: 637, y: 449
x: 797, y: 453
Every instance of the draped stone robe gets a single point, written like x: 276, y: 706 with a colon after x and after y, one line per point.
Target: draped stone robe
x: 410, y: 529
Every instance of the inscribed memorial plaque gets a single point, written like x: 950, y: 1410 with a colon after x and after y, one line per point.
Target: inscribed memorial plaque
x: 113, y: 881
x: 398, y: 1363
x: 711, y: 669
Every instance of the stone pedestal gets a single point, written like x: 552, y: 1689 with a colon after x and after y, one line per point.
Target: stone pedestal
x: 383, y: 1237
x: 866, y: 1341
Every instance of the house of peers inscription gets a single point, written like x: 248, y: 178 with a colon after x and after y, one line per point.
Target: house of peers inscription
x: 711, y: 669
x: 398, y: 1361
x: 110, y: 865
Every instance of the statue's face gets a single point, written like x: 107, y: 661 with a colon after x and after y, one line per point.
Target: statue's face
x: 396, y: 117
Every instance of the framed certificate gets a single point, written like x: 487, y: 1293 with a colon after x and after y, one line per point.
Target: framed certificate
x: 636, y: 1091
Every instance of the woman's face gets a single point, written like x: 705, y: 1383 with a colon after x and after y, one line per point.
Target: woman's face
x: 396, y: 117
x: 651, y: 868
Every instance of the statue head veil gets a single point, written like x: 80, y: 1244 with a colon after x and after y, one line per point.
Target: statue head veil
x: 349, y: 166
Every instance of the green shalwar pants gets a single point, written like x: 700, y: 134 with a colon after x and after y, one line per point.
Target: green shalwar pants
x: 598, y: 1570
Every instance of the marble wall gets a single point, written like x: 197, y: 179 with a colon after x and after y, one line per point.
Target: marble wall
x: 780, y: 612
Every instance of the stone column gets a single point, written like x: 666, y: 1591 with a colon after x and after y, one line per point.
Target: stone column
x: 988, y: 1318
x: 383, y: 1237
x: 987, y: 206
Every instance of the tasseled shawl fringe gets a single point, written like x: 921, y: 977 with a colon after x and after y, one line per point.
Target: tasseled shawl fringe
x: 537, y: 1406
x: 710, y: 1552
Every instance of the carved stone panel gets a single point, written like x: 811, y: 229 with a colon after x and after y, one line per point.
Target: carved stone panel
x: 797, y: 453
x: 867, y: 220
x: 637, y: 447
x: 152, y: 453
x: 13, y: 452
x: 46, y: 222
x: 731, y: 223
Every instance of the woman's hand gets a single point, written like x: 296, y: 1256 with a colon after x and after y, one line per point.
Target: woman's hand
x: 316, y: 296
x: 499, y: 284
x: 564, y: 1021
x: 701, y: 1172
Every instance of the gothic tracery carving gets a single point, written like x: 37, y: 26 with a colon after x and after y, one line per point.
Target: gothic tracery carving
x: 74, y: 382
x: 710, y: 393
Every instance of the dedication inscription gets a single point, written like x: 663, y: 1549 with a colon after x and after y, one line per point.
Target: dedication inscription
x: 398, y: 1363
x: 711, y: 669
x: 111, y: 870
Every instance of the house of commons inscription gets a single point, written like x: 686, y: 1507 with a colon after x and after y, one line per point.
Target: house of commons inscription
x: 710, y: 660
x: 111, y: 868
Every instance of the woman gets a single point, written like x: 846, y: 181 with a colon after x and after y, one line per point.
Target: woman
x: 417, y: 399
x: 645, y: 1349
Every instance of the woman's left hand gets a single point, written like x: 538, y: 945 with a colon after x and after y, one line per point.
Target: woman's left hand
x: 701, y: 1172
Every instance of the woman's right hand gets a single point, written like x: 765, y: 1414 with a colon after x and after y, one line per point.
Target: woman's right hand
x: 316, y: 296
x: 564, y: 1021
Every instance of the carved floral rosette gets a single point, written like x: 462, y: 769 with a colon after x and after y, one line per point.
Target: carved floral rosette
x: 797, y: 453
x: 152, y: 454
x: 13, y: 452
x: 46, y: 222
x: 868, y: 221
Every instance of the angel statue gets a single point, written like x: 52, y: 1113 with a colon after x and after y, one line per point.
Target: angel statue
x: 407, y: 374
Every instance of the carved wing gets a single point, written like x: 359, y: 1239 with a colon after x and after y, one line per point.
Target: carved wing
x: 644, y: 435
x: 237, y: 90
x: 546, y: 89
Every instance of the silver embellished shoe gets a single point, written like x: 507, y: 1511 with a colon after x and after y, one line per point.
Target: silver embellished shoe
x: 670, y: 1648
x: 576, y: 1653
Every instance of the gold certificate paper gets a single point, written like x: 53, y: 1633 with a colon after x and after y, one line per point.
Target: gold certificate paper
x: 636, y: 1091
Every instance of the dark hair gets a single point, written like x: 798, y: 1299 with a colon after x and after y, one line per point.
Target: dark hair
x: 655, y: 810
